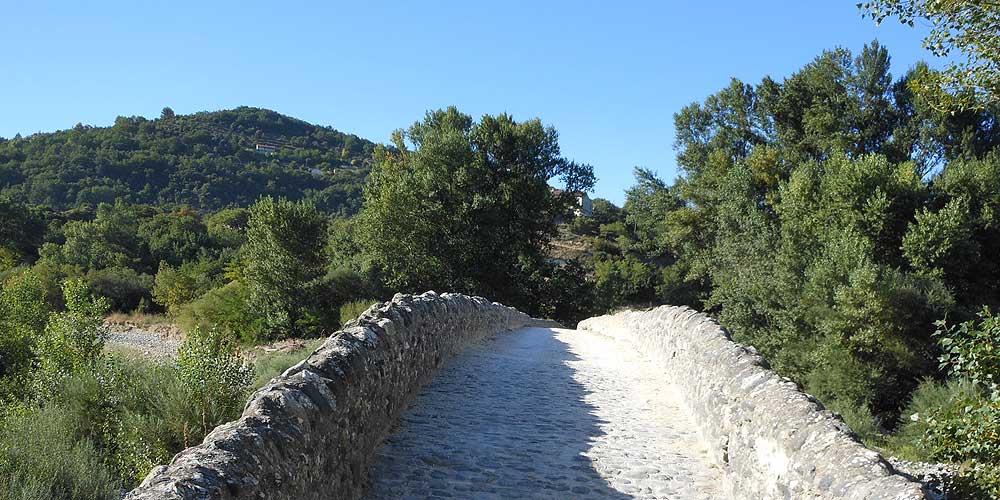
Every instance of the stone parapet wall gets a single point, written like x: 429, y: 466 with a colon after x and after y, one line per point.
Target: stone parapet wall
x: 312, y: 432
x: 772, y: 440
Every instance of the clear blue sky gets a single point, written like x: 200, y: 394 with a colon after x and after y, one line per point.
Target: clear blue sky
x: 608, y: 75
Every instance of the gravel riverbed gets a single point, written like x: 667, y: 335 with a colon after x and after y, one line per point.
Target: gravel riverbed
x: 149, y: 343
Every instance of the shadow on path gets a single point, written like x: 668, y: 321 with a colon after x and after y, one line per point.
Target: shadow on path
x: 505, y: 419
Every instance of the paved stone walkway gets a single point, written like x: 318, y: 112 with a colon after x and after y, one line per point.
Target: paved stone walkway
x: 546, y: 413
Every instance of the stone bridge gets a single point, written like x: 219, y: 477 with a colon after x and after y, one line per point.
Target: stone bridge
x: 449, y: 396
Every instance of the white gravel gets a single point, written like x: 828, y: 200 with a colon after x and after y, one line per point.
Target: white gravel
x: 149, y: 344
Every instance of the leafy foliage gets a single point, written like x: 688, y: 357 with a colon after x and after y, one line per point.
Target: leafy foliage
x: 73, y: 339
x: 805, y: 220
x: 24, y: 313
x: 971, y: 350
x: 42, y: 458
x: 216, y: 375
x: 226, y: 308
x: 465, y: 206
x: 205, y: 160
x: 104, y: 429
x: 284, y: 261
x: 21, y: 231
x: 969, y: 27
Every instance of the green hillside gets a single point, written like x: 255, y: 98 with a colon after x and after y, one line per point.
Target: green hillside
x: 206, y: 160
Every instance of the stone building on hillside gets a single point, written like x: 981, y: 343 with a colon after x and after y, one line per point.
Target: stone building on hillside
x: 266, y: 148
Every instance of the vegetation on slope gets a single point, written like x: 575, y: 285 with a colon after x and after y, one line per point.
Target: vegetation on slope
x: 275, y: 269
x: 829, y: 220
x: 843, y: 221
x: 205, y: 161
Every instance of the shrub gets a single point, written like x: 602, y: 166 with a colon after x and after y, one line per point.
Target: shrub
x: 966, y: 428
x: 968, y: 431
x: 860, y: 420
x: 8, y: 259
x: 929, y: 397
x: 43, y: 457
x: 271, y: 365
x: 102, y: 422
x: 584, y: 226
x: 23, y: 313
x: 123, y: 287
x: 564, y: 293
x: 172, y: 288
x: 354, y: 308
x: 216, y: 375
x: 226, y: 309
x: 343, y: 285
x: 972, y: 351
x: 73, y: 339
x: 176, y: 286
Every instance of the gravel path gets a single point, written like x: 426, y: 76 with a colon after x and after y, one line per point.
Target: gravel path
x: 546, y: 413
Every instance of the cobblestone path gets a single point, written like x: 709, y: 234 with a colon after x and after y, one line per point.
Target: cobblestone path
x: 546, y: 413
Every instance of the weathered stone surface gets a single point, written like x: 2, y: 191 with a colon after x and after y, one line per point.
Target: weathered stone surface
x: 771, y: 440
x: 312, y: 432
x: 547, y: 413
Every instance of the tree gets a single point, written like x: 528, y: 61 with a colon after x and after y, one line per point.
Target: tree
x: 284, y: 260
x: 175, y: 237
x: 972, y: 28
x: 73, y: 339
x: 21, y: 230
x: 465, y: 206
x: 200, y: 161
x: 805, y: 221
x: 23, y: 314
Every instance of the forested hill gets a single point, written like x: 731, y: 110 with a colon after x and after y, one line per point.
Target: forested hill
x: 207, y: 161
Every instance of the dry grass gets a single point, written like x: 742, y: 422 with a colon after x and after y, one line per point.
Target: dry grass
x: 138, y: 319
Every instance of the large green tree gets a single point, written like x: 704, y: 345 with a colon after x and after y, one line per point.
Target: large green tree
x: 284, y: 261
x: 21, y: 231
x: 462, y: 205
x: 828, y: 219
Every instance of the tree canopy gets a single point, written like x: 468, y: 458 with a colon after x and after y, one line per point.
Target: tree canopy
x: 465, y: 205
x: 972, y: 28
x: 206, y: 160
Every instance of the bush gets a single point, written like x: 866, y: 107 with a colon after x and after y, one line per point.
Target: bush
x: 343, y: 285
x: 43, y: 457
x: 271, y: 365
x: 226, y: 309
x: 972, y: 351
x: 103, y: 430
x: 8, y: 260
x: 968, y: 431
x: 172, y: 289
x: 73, y: 339
x: 354, y: 308
x: 564, y: 293
x: 929, y: 397
x: 216, y: 375
x: 111, y: 406
x: 176, y: 286
x: 79, y: 424
x: 124, y: 288
x: 23, y: 314
x: 584, y: 226
x: 966, y: 427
